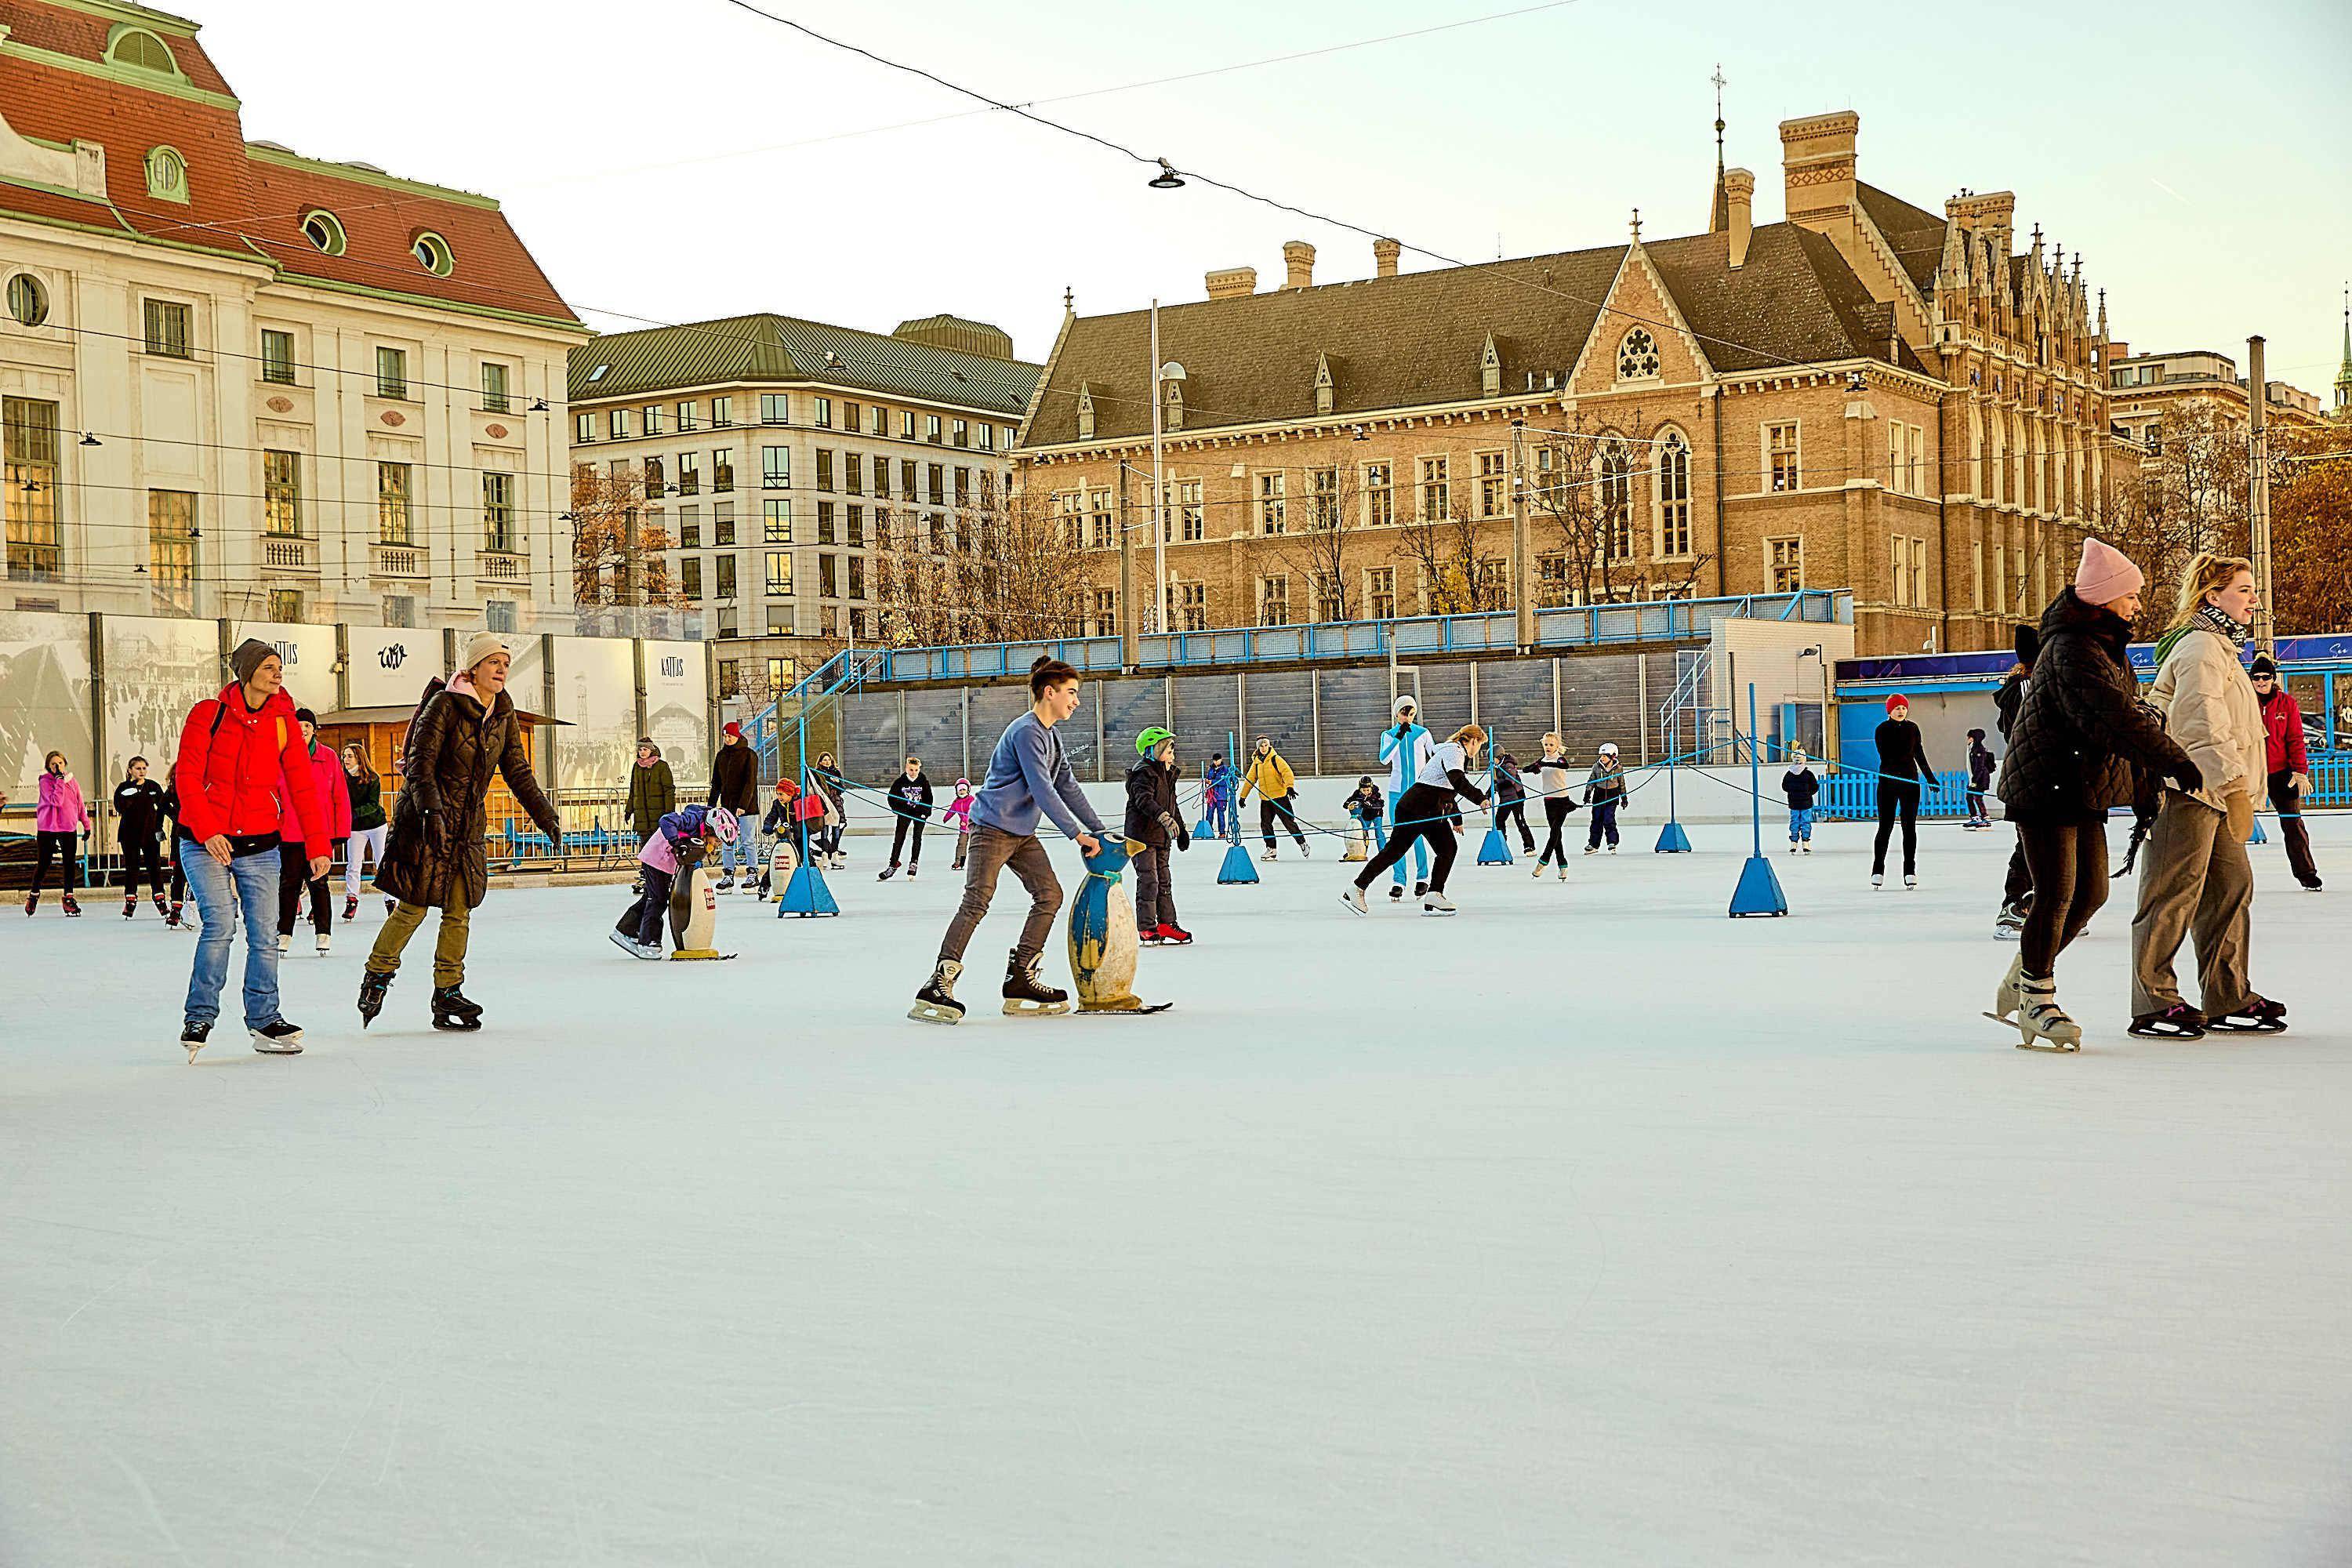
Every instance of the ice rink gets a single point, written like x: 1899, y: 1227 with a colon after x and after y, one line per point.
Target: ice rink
x: 1589, y: 1227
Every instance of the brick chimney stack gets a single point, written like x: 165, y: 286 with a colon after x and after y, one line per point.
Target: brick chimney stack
x: 1739, y: 188
x: 1299, y: 258
x: 1817, y: 163
x: 1384, y: 258
x: 1232, y: 282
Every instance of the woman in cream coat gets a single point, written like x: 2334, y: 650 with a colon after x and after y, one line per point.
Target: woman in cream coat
x: 2196, y: 879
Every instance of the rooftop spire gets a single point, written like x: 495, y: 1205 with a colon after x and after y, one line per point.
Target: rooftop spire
x: 2344, y: 372
x: 1718, y: 217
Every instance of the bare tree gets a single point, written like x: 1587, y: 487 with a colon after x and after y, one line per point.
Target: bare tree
x: 998, y: 571
x: 611, y: 534
x: 2191, y: 497
x: 1321, y: 549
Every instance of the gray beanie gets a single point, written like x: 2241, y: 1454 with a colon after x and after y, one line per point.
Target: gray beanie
x: 246, y: 658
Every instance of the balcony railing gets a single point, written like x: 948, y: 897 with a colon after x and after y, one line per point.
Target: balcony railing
x: 289, y: 554
x: 390, y: 559
x: 502, y: 566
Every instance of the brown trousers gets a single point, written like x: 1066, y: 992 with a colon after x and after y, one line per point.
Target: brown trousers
x: 2194, y: 880
x: 990, y: 850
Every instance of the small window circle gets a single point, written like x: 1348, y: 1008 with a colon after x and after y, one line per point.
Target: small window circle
x: 1637, y: 356
x: 433, y: 254
x: 28, y: 302
x: 324, y: 232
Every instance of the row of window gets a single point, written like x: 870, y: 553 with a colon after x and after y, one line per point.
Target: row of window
x: 169, y: 332
x: 776, y: 408
x: 928, y: 532
x: 837, y: 577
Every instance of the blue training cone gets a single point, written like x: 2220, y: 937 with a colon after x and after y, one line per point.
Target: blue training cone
x: 1758, y: 892
x: 1495, y: 850
x: 2257, y: 836
x: 1237, y: 867
x: 1673, y: 840
x: 807, y: 894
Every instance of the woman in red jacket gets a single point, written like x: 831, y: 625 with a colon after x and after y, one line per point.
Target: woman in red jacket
x: 2289, y: 768
x: 240, y: 755
x: 335, y: 805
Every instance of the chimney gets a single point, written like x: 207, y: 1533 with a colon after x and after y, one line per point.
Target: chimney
x: 1232, y: 282
x: 1739, y: 189
x: 1299, y: 258
x: 1384, y: 258
x: 1817, y: 166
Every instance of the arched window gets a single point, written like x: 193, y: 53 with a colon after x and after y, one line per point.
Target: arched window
x: 142, y: 50
x: 1616, y: 518
x: 324, y: 231
x: 1637, y: 355
x: 28, y: 302
x: 1673, y: 510
x: 433, y: 253
x: 167, y: 174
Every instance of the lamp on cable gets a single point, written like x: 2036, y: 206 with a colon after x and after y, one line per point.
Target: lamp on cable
x: 88, y: 439
x: 1168, y: 179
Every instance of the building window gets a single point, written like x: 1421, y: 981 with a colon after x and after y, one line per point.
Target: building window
x: 277, y: 357
x: 931, y: 429
x: 690, y: 474
x: 1328, y: 605
x: 1781, y: 471
x: 962, y: 433
x: 1493, y: 497
x: 1919, y: 572
x: 779, y: 621
x: 722, y: 471
x: 937, y: 474
x: 780, y: 573
x: 286, y: 606
x: 783, y: 674
x: 824, y: 469
x: 1435, y: 497
x: 29, y: 301
x: 1673, y: 529
x: 616, y: 424
x: 584, y: 428
x: 1193, y: 607
x: 1100, y: 535
x: 1976, y: 573
x: 824, y: 413
x: 853, y: 473
x: 169, y: 329
x: 142, y: 50
x: 324, y: 231
x: 722, y: 523
x: 1786, y: 566
x: 729, y: 675
x: 1273, y: 601
x: 498, y: 510
x: 689, y: 576
x: 499, y: 615
x: 167, y: 176
x: 964, y: 487
x: 854, y: 528
x: 882, y: 480
x: 171, y: 551
x: 649, y: 419
x: 1551, y: 581
x: 433, y: 254
x: 1637, y: 355
x: 1191, y: 523
x: 828, y: 576
x: 987, y: 438
x: 1379, y: 494
x: 725, y: 567
x: 392, y: 504
x: 1272, y: 509
x: 825, y: 522
x: 494, y: 387
x: 689, y: 527
x: 853, y: 418
x: 722, y: 413
x: 1323, y: 497
x: 775, y: 408
x: 655, y: 484
x: 686, y: 417
x: 281, y: 494
x: 1380, y: 593
x: 1616, y: 501
x: 776, y: 521
x: 1105, y: 623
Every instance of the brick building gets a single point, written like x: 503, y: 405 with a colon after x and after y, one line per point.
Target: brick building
x: 1866, y: 395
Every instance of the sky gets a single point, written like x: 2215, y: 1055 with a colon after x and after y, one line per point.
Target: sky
x: 690, y: 160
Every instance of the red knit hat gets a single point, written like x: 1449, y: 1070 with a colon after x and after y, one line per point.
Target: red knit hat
x: 1897, y: 700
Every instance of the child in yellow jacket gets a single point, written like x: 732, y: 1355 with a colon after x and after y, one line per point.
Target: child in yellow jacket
x: 1271, y: 776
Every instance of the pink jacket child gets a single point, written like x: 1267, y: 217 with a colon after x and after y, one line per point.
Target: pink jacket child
x: 959, y: 810
x: 333, y: 793
x: 61, y: 808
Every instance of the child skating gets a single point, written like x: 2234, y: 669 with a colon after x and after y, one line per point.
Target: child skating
x: 139, y: 835
x: 1270, y: 775
x: 1511, y: 800
x: 957, y: 816
x: 910, y: 806
x: 1152, y: 821
x: 1558, y: 799
x: 1980, y: 761
x: 684, y: 839
x: 1365, y: 807
x: 1604, y: 790
x: 1801, y: 788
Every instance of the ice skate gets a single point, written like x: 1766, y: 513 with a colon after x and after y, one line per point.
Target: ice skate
x: 2009, y: 922
x: 1304, y: 853
x: 452, y: 1010
x: 1354, y: 899
x: 2004, y: 995
x: 1148, y: 936
x: 32, y: 902
x: 1421, y: 890
x: 372, y: 987
x: 1592, y: 849
x: 1171, y: 934
x: 1613, y: 850
x: 2255, y: 1016
x: 279, y: 1039
x: 911, y: 870
x: 130, y: 908
x: 2042, y: 1024
x: 175, y: 919
x: 393, y: 905
x: 285, y: 942
x: 1267, y: 856
x: 1437, y: 904
x: 1877, y: 880
x: 2178, y: 1021
x: 623, y: 941
x: 1563, y: 871
x: 1025, y: 995
x: 725, y: 884
x: 1909, y: 881
x: 351, y: 909
x: 193, y: 1035
x: 1539, y: 871
x: 71, y: 906
x: 1807, y: 847
x: 936, y: 1003
x: 171, y: 915
x: 888, y: 872
x: 322, y: 944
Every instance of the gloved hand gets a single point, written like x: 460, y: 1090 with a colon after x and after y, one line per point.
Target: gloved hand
x: 2300, y: 783
x: 2188, y: 777
x: 1183, y: 839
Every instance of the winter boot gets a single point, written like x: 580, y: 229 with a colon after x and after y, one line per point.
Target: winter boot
x: 451, y: 1010
x: 1025, y: 995
x: 2042, y: 1024
x: 279, y: 1039
x: 372, y: 987
x: 936, y: 1003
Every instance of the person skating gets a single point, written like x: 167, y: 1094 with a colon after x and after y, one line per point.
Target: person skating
x: 363, y: 787
x: 1028, y: 773
x: 139, y: 835
x: 177, y: 839
x: 1217, y: 786
x: 238, y: 752
x: 781, y: 823
x: 60, y: 819
x: 1405, y: 747
x: 1559, y: 790
x: 684, y: 839
x: 2078, y: 741
x: 2196, y: 882
x: 735, y: 784
x: 1605, y: 791
x: 1270, y: 775
x: 2017, y: 887
x: 910, y: 798
x: 825, y: 778
x: 1980, y: 761
x: 465, y: 731
x: 957, y: 816
x: 1427, y: 812
x: 1903, y: 774
x: 1155, y: 821
x: 334, y: 798
x: 1367, y: 806
x: 1801, y: 786
x: 2289, y: 769
x: 1511, y: 800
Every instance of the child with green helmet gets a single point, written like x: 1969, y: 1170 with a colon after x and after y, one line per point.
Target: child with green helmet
x: 1154, y: 822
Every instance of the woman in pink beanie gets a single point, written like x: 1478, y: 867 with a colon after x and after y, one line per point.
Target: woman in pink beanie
x: 2080, y: 738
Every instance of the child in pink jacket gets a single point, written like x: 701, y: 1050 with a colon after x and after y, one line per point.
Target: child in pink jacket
x: 959, y: 816
x: 59, y: 820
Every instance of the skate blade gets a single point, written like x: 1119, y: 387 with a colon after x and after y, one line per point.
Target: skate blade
x: 924, y: 1013
x: 1013, y: 1009
x: 2218, y: 1027
x: 2060, y: 1047
x: 291, y: 1047
x: 199, y: 1046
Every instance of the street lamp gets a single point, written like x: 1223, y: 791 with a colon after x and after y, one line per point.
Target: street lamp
x: 1162, y: 373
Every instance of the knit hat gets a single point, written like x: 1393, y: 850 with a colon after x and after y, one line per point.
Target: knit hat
x: 1397, y: 707
x: 731, y: 729
x: 304, y: 716
x: 479, y: 646
x: 1897, y: 700
x: 247, y: 657
x: 2105, y: 574
x: 2263, y: 665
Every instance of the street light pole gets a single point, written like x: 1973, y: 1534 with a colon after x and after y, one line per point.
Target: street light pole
x: 1159, y: 493
x: 2258, y: 492
x: 1524, y: 601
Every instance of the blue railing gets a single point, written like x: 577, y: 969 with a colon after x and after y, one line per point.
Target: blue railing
x: 1850, y: 797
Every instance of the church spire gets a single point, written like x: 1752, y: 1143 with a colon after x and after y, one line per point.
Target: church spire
x: 2344, y: 372
x: 1718, y: 217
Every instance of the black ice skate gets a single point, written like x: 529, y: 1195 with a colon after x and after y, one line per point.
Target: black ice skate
x: 193, y: 1035
x: 351, y: 910
x: 2178, y: 1021
x: 130, y: 907
x: 936, y: 1003
x: 1025, y: 995
x: 888, y: 872
x: 170, y: 917
x: 279, y: 1039
x: 372, y: 987
x: 451, y: 1010
x: 2255, y: 1015
x: 175, y: 919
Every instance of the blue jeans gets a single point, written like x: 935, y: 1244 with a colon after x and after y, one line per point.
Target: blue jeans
x: 1420, y: 847
x: 247, y: 889
x: 1801, y: 823
x: 734, y: 851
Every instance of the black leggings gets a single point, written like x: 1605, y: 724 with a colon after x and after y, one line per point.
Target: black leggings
x: 1422, y: 814
x: 1556, y: 810
x: 1268, y: 808
x: 1516, y: 811
x: 64, y: 849
x: 138, y: 853
x: 1897, y: 796
x: 898, y: 838
x: 293, y: 876
x: 2069, y: 860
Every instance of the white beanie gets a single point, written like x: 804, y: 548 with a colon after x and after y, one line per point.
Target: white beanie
x: 479, y: 646
x: 1404, y: 703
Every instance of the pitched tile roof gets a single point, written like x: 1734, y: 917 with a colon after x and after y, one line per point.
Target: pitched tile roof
x: 1916, y: 234
x: 1415, y: 340
x: 770, y: 347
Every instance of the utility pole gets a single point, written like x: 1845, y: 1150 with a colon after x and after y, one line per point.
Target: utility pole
x: 2258, y: 493
x: 1524, y: 601
x: 632, y: 592
x: 1159, y: 493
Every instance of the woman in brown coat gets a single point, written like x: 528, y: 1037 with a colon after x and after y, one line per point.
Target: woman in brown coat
x: 464, y: 731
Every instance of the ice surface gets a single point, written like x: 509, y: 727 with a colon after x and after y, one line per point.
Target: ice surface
x: 1589, y: 1227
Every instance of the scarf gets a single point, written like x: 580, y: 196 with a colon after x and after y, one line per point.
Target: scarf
x: 2214, y: 618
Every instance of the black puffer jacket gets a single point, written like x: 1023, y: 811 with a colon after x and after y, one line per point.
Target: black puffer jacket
x: 2081, y: 730
x: 435, y: 854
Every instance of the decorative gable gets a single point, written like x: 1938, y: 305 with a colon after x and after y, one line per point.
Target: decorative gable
x: 1085, y: 412
x: 1490, y: 370
x: 1323, y: 382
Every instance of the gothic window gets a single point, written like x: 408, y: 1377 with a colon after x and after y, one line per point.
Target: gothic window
x: 1637, y: 355
x: 1673, y: 511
